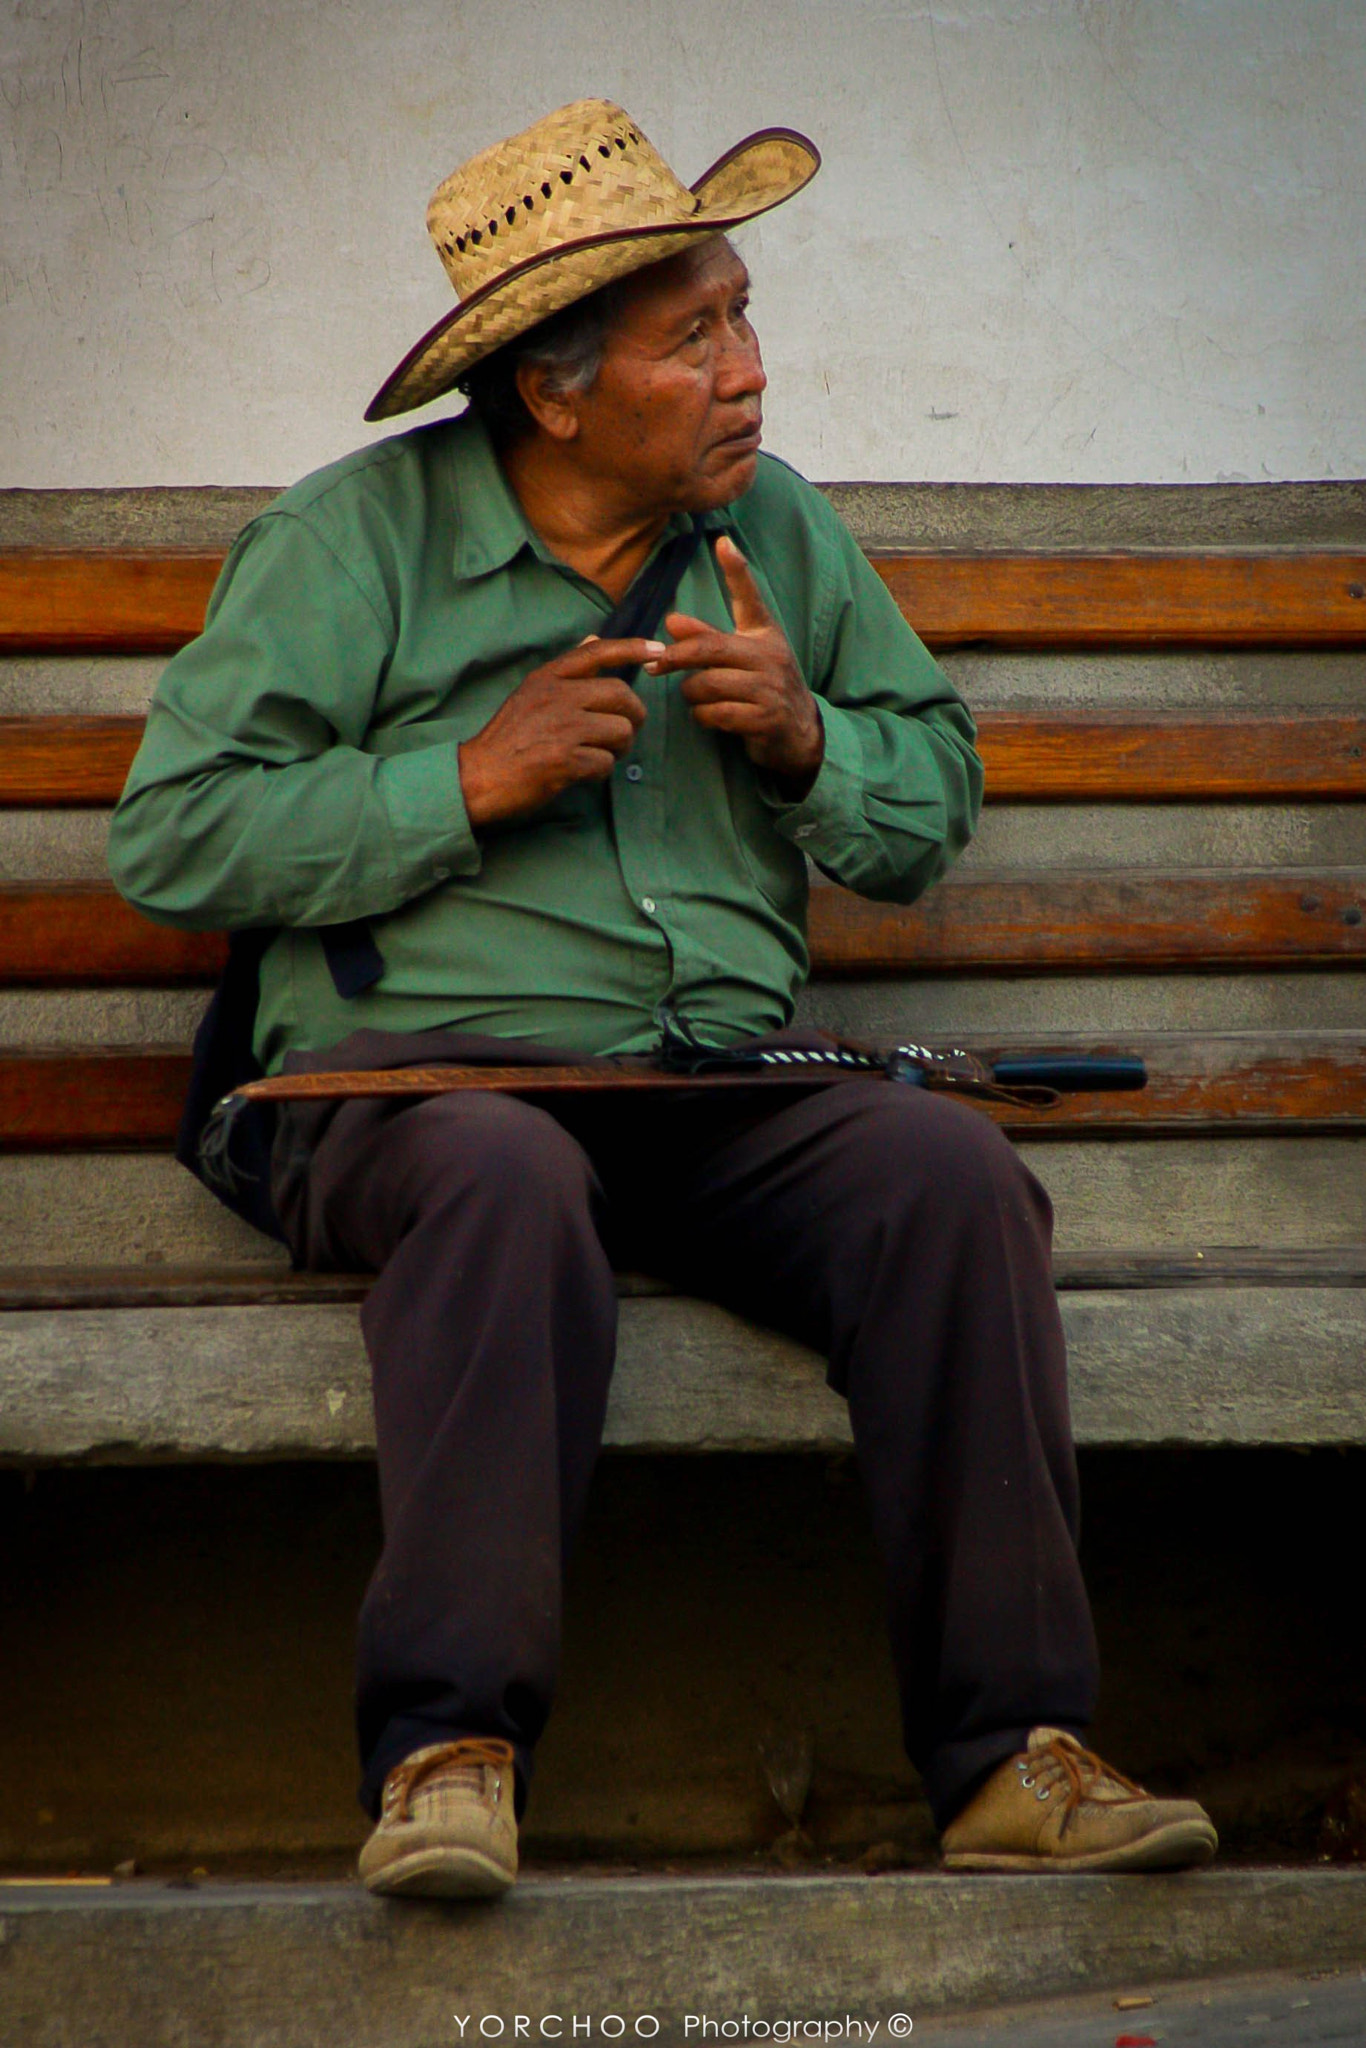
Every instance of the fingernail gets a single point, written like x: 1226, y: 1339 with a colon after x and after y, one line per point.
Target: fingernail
x: 653, y: 649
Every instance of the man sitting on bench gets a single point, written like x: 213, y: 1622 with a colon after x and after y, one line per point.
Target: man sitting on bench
x: 404, y: 740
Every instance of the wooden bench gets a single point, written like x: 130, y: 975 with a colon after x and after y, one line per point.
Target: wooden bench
x: 1210, y: 1258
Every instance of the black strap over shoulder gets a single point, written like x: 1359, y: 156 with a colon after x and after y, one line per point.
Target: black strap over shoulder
x: 652, y: 593
x: 353, y: 959
x: 235, y: 1164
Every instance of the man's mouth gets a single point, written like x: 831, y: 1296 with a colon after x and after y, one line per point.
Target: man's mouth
x: 744, y: 441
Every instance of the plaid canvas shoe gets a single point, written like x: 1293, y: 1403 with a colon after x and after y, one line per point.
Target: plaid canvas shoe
x: 1056, y: 1806
x: 447, y: 1826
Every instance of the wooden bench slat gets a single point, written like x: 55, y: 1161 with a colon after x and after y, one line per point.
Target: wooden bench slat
x: 1072, y: 757
x: 1248, y: 1084
x: 66, y: 763
x: 90, y: 1100
x: 1177, y: 756
x: 153, y: 602
x: 1193, y: 1266
x: 1027, y: 600
x: 1106, y: 920
x: 984, y: 921
x: 164, y: 1286
x: 27, y: 1288
x: 83, y: 935
x: 98, y: 602
x: 1244, y: 1082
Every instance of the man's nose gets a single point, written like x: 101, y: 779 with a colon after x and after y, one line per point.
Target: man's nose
x: 740, y: 370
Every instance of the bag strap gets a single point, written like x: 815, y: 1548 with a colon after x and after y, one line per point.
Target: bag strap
x: 652, y: 593
x: 353, y: 959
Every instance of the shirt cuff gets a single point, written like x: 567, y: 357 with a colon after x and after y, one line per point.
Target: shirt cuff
x: 425, y: 803
x: 833, y: 806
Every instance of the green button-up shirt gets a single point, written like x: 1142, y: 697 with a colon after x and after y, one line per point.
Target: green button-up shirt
x: 299, y: 768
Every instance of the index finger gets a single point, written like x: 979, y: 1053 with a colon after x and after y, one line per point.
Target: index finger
x: 750, y: 611
x: 592, y: 657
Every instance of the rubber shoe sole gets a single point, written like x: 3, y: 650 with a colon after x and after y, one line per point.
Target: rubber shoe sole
x: 438, y: 1873
x: 1182, y: 1845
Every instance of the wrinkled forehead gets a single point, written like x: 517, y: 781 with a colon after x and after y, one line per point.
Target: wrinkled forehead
x: 712, y: 270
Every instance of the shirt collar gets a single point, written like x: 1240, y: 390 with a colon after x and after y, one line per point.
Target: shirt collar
x: 491, y: 527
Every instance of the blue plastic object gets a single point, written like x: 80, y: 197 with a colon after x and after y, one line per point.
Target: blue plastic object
x: 1072, y: 1076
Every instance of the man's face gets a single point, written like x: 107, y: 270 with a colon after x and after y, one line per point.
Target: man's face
x: 673, y: 418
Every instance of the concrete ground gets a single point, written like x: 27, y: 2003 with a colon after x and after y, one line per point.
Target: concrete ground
x: 687, y: 1962
x: 1292, y: 2009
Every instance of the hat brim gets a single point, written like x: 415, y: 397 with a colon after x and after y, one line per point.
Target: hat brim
x: 758, y: 174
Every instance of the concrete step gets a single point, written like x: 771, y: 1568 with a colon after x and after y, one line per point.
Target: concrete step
x: 995, y: 678
x: 1203, y: 679
x: 1194, y: 1365
x: 70, y: 845
x: 1197, y: 678
x: 1080, y: 517
x: 1303, y: 2008
x: 633, y: 1958
x: 887, y: 1010
x: 883, y: 1010
x: 102, y: 1209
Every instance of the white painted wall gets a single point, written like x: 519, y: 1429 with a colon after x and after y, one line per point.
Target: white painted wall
x: 1054, y: 240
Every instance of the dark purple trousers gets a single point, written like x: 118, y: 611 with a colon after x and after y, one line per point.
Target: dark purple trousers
x: 893, y: 1230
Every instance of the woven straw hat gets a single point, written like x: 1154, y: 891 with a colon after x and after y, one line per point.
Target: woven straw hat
x: 525, y: 228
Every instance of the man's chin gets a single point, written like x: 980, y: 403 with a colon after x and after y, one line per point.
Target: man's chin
x: 726, y: 477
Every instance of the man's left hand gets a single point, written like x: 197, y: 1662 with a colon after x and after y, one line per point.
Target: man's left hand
x: 747, y: 682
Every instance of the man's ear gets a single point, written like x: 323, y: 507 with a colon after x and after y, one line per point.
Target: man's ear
x: 555, y: 412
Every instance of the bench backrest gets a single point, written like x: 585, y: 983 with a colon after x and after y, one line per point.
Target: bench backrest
x: 993, y: 920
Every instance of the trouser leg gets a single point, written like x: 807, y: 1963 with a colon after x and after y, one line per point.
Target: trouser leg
x: 491, y: 1331
x: 899, y: 1233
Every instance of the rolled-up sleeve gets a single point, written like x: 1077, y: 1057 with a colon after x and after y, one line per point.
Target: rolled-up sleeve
x: 252, y: 799
x: 900, y: 787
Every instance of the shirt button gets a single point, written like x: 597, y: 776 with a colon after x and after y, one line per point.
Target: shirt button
x: 804, y: 832
x: 635, y: 773
x: 648, y: 903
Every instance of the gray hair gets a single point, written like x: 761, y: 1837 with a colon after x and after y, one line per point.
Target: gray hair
x: 569, y: 347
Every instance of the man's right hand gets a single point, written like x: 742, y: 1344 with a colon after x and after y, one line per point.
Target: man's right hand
x: 568, y: 722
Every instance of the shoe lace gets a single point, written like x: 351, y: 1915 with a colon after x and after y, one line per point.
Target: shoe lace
x: 1062, y: 1759
x: 470, y: 1754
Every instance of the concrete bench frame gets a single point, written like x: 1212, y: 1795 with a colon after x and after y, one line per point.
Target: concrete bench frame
x: 1260, y: 1347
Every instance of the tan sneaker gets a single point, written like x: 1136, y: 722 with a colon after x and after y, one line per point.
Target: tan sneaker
x: 1058, y: 1807
x: 447, y: 1827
